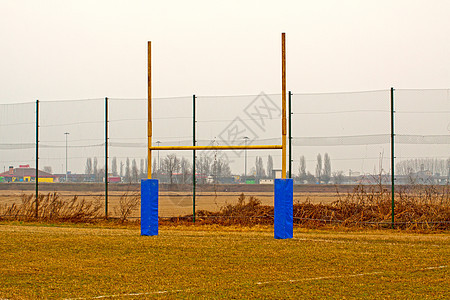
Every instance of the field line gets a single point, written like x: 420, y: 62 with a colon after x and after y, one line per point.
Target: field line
x: 341, y: 276
x: 317, y: 278
x: 127, y: 295
x: 433, y: 268
x: 338, y: 241
x: 257, y: 283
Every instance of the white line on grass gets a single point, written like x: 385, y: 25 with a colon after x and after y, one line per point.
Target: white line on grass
x: 432, y: 268
x: 318, y: 278
x: 258, y: 283
x: 339, y: 276
x: 127, y: 295
x: 338, y: 241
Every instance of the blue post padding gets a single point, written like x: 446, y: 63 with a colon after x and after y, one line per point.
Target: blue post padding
x: 149, y: 207
x: 284, y: 207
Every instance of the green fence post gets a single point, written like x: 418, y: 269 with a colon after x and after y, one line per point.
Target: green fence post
x: 290, y: 135
x: 37, y: 159
x: 392, y: 157
x: 106, y: 157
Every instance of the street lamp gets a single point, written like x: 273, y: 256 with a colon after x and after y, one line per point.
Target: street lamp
x: 66, y: 134
x: 246, y: 138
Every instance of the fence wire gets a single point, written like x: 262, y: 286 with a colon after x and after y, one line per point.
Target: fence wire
x: 17, y: 135
x: 350, y: 131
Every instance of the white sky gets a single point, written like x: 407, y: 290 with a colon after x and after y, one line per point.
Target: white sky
x: 58, y: 50
x: 54, y: 50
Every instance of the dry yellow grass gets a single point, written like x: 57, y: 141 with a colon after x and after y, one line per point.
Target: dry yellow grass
x: 189, y: 262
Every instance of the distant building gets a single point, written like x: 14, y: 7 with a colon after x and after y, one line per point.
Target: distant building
x: 114, y: 179
x: 26, y: 174
x: 276, y: 173
x: 266, y: 181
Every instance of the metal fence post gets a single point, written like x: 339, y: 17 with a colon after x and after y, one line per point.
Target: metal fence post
x: 392, y: 158
x: 37, y: 159
x: 106, y: 157
x: 290, y: 134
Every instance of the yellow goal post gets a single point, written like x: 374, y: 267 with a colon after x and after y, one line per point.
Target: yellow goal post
x: 228, y: 147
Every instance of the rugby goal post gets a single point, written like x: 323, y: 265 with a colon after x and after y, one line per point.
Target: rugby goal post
x: 283, y: 188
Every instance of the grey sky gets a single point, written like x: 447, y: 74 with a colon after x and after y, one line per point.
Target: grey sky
x: 58, y: 50
x: 83, y: 49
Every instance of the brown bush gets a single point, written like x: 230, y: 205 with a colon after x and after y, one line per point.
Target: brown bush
x: 418, y: 207
x: 128, y: 203
x: 52, y: 208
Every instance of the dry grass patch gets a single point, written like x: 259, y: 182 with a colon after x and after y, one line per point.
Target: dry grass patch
x: 72, y: 262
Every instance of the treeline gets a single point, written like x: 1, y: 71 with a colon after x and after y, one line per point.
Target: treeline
x: 434, y: 165
x: 208, y: 165
x: 322, y: 174
x: 205, y: 165
x: 129, y: 170
x: 167, y: 168
x: 322, y: 171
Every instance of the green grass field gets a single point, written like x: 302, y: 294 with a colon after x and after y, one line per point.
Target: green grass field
x: 94, y: 262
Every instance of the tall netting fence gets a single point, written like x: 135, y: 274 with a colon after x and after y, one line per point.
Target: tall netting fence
x: 72, y: 147
x: 341, y: 138
x: 219, y: 174
x: 342, y: 156
x: 17, y: 149
x: 172, y: 126
x: 339, y: 141
x: 226, y: 177
x: 422, y: 140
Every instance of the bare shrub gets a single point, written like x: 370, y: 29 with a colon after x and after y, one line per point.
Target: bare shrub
x: 128, y: 203
x: 247, y: 211
x: 418, y: 207
x: 52, y: 208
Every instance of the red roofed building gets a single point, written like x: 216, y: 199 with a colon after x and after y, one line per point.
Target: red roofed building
x: 26, y: 174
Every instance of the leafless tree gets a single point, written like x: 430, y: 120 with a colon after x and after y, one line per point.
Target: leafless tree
x: 319, y: 168
x: 88, y: 168
x: 220, y: 168
x: 338, y: 177
x: 185, y: 167
x: 203, y: 166
x: 326, y: 168
x: 259, y: 168
x: 114, y: 166
x: 302, y: 167
x: 155, y: 171
x: 270, y: 166
x: 95, y: 169
x: 142, y: 169
x: 171, y: 165
x: 127, y: 171
x: 134, y: 171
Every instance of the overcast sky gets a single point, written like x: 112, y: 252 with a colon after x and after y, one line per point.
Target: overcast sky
x: 53, y: 50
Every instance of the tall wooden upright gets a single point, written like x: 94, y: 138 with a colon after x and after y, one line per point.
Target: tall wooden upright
x: 283, y: 103
x: 149, y: 105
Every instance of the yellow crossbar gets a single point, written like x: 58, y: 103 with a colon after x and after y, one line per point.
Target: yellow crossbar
x: 216, y: 147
